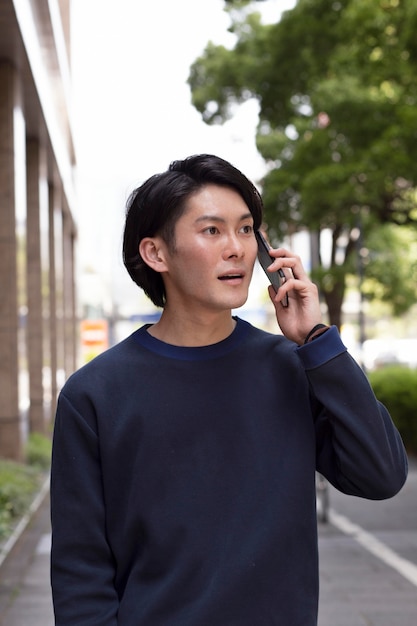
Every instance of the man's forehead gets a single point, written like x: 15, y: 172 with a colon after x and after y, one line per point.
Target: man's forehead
x: 213, y: 217
x: 218, y: 203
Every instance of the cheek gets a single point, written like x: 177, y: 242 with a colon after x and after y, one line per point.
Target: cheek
x: 196, y: 254
x: 252, y: 252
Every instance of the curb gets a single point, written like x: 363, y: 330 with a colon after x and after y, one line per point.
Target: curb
x: 8, y: 546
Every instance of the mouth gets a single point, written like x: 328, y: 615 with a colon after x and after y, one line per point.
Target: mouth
x: 232, y: 276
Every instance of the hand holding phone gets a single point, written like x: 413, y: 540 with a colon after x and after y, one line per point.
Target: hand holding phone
x: 276, y: 278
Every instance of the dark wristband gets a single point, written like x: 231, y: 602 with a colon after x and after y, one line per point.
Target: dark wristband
x: 315, y: 328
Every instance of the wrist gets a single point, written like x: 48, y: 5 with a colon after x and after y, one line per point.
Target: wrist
x: 316, y: 331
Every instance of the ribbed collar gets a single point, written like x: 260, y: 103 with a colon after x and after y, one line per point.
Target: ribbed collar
x: 199, y: 353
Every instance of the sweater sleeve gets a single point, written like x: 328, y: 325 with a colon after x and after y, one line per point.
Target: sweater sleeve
x: 359, y: 450
x: 82, y: 567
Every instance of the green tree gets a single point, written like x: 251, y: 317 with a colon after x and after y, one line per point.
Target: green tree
x: 336, y: 83
x: 391, y: 267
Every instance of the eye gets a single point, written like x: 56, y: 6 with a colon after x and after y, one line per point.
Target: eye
x: 247, y: 229
x: 211, y: 230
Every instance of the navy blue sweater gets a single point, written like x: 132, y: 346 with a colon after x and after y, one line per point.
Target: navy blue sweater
x: 183, y: 479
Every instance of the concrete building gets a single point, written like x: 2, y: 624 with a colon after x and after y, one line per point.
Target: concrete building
x: 37, y: 227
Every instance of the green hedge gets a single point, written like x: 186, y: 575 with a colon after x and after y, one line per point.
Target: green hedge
x: 19, y: 482
x: 39, y: 450
x: 396, y: 387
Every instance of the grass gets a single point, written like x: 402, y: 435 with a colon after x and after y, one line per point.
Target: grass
x: 19, y: 482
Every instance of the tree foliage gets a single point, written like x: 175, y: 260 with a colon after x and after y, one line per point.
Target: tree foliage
x: 336, y: 83
x: 390, y: 262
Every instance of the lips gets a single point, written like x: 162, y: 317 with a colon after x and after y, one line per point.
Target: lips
x: 232, y: 276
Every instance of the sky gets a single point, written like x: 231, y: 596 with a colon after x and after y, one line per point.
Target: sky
x: 132, y: 115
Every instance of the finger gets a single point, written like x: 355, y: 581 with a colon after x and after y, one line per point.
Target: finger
x: 291, y: 265
x: 278, y: 298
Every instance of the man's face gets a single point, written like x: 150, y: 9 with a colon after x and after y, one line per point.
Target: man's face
x: 215, y: 249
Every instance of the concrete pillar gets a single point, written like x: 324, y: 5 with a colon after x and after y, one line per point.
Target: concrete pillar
x: 11, y: 166
x: 53, y: 326
x: 74, y: 316
x: 69, y: 294
x: 59, y: 288
x: 47, y: 321
x: 65, y: 8
x: 34, y: 287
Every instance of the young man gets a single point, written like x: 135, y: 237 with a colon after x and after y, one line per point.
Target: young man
x: 183, y: 476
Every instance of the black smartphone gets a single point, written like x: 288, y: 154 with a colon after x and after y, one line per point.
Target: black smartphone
x: 276, y: 278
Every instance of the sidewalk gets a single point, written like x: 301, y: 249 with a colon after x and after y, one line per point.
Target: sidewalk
x: 25, y: 595
x: 368, y: 560
x: 357, y: 587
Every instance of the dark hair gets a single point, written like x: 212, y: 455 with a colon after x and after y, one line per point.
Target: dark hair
x: 155, y: 207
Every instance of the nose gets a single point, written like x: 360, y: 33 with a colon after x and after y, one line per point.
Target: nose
x: 234, y: 247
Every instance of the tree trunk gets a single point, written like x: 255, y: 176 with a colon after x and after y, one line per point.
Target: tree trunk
x: 334, y: 301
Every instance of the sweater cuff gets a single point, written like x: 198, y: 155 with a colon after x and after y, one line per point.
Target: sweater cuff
x: 321, y: 350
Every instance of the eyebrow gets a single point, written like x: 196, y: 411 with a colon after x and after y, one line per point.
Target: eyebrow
x: 216, y: 218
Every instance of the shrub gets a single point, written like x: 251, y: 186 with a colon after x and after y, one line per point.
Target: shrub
x: 396, y: 387
x: 38, y: 451
x: 18, y: 484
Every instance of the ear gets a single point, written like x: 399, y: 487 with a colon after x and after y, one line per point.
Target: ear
x: 152, y: 250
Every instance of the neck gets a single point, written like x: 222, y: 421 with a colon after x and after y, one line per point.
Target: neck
x: 192, y: 331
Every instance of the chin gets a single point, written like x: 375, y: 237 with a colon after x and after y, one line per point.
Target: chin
x: 238, y: 302
x: 233, y: 300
